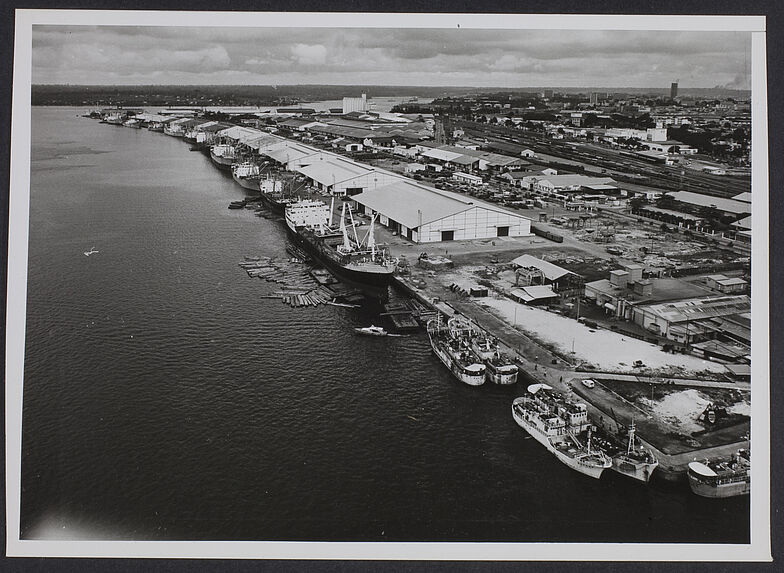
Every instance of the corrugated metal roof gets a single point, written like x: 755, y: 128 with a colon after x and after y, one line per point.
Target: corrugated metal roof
x: 551, y: 272
x: 698, y: 309
x: 465, y: 160
x: 442, y: 154
x: 334, y: 170
x: 404, y: 201
x: 722, y: 204
x: 572, y: 180
x: 288, y: 151
x: 744, y: 223
x: 533, y: 293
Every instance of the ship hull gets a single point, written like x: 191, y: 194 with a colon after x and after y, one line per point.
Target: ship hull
x: 446, y: 359
x: 501, y: 378
x: 719, y: 491
x: 640, y: 471
x: 352, y: 275
x: 222, y: 162
x: 550, y: 442
x: 251, y: 183
x: 274, y: 205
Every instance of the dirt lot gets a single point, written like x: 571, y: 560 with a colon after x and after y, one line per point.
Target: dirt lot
x: 669, y: 419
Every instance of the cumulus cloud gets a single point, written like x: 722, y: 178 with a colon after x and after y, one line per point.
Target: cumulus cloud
x: 484, y: 58
x: 309, y: 55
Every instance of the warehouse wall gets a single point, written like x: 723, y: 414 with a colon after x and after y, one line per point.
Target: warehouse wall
x: 476, y: 223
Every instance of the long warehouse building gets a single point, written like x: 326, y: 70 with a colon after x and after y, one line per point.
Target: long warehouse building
x: 426, y: 215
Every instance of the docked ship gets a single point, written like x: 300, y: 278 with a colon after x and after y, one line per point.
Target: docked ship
x: 634, y: 461
x: 247, y: 174
x: 558, y: 425
x: 114, y: 119
x: 453, y: 348
x: 174, y: 129
x: 273, y: 194
x: 500, y: 367
x: 222, y: 155
x: 358, y: 260
x: 724, y: 477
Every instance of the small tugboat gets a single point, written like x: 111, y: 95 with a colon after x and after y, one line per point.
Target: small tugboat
x: 371, y: 331
x: 454, y: 351
x: 723, y: 477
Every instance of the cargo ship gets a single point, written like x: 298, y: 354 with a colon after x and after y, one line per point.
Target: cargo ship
x: 452, y: 347
x: 500, y: 367
x: 636, y: 461
x: 174, y: 129
x: 222, y: 155
x: 247, y: 175
x: 724, y: 477
x: 357, y: 260
x: 629, y: 457
x: 273, y: 194
x: 558, y: 425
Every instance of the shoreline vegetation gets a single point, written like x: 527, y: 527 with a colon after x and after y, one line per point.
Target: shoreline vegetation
x: 289, y: 95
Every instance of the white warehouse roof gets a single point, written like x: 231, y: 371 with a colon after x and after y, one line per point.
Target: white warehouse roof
x: 403, y: 201
x: 334, y: 170
x: 412, y: 204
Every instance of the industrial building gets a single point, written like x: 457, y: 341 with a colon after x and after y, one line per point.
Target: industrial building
x: 563, y: 183
x: 530, y: 271
x: 339, y: 176
x: 424, y: 214
x: 690, y: 320
x: 355, y: 104
x: 724, y: 206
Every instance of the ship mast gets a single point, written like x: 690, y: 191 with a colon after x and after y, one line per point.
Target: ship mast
x: 346, y: 241
x: 371, y: 239
x: 631, y: 438
x: 353, y: 225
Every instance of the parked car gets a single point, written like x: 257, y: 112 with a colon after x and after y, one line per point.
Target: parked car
x: 588, y: 383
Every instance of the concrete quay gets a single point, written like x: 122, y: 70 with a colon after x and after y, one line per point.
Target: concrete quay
x: 539, y: 364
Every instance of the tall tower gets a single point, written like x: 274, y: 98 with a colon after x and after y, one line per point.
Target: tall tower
x: 674, y: 90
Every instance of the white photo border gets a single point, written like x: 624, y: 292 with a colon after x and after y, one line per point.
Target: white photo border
x: 759, y: 548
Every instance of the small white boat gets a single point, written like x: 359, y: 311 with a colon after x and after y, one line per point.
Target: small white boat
x: 92, y: 251
x: 371, y: 331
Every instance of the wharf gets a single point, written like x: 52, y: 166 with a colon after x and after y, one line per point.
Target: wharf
x: 538, y: 364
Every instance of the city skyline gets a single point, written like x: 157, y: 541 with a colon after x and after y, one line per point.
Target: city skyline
x: 137, y: 55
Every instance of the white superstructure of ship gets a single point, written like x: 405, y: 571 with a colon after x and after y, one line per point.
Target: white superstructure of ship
x: 356, y: 259
x: 500, y: 367
x: 558, y: 425
x: 454, y: 350
x: 721, y: 477
x: 222, y: 154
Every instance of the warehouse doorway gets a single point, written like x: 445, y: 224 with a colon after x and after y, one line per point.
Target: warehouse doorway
x: 447, y: 235
x: 503, y: 231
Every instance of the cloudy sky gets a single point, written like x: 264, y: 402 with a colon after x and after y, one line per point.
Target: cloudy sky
x: 453, y: 57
